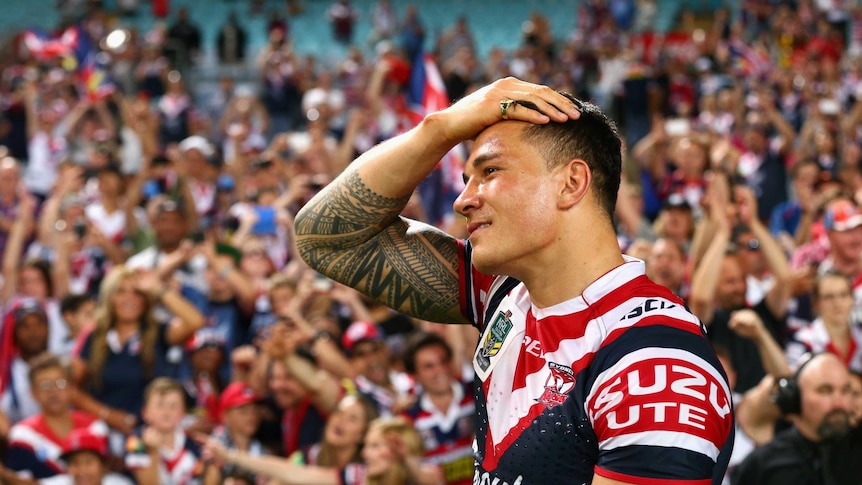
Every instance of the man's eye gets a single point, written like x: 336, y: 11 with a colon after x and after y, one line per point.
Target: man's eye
x: 490, y: 170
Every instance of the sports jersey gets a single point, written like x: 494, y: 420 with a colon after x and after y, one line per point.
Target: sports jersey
x: 814, y: 338
x: 448, y: 437
x: 34, y: 450
x: 619, y: 381
x: 179, y: 466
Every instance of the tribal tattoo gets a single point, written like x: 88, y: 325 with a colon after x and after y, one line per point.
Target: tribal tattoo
x: 356, y: 237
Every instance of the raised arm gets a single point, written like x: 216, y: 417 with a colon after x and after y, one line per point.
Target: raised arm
x: 351, y: 231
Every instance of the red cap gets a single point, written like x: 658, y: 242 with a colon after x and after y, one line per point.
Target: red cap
x: 84, y: 440
x: 841, y: 215
x: 358, y: 332
x: 235, y: 395
x: 205, y: 337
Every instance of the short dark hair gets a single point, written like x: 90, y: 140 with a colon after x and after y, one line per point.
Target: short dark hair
x: 44, y: 268
x: 593, y: 138
x: 73, y: 302
x: 43, y: 362
x: 419, y: 341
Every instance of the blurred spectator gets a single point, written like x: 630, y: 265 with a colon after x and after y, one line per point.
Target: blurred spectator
x: 240, y: 419
x: 232, y: 41
x: 343, y: 435
x: 35, y: 444
x: 369, y: 357
x: 24, y: 338
x: 817, y: 400
x: 128, y: 347
x: 86, y: 457
x: 10, y: 197
x: 384, y: 22
x: 444, y: 409
x: 160, y: 453
x: 343, y: 16
x: 184, y: 40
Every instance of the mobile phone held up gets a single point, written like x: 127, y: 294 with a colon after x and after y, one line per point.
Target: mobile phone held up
x: 265, y: 224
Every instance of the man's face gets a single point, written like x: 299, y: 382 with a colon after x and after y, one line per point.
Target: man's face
x: 677, y: 223
x: 510, y: 201
x: 846, y: 245
x: 165, y: 411
x: 31, y: 334
x: 730, y: 292
x: 825, y: 390
x: 666, y: 265
x: 433, y: 369
x: 170, y: 228
x: 50, y: 388
x: 285, y: 389
x: 855, y: 399
x: 750, y: 254
x: 834, y: 300
x: 86, y: 468
x: 369, y: 358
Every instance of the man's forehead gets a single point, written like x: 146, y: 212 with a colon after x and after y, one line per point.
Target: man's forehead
x: 495, y: 140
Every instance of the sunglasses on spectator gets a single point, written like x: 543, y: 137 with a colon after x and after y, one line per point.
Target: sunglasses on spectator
x: 752, y: 244
x: 50, y: 385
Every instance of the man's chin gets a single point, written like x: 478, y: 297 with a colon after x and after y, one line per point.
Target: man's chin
x: 834, y: 426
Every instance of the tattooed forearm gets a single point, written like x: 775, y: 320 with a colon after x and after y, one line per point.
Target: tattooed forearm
x: 355, y: 236
x: 349, y: 212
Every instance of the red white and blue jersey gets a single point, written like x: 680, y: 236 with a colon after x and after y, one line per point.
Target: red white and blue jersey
x: 620, y: 381
x: 448, y: 437
x: 814, y: 338
x: 34, y: 450
x: 178, y: 466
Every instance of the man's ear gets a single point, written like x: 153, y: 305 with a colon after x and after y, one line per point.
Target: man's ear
x: 577, y: 180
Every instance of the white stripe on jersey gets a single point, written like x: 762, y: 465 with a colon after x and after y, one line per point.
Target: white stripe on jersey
x: 667, y: 439
x: 645, y: 354
x: 27, y: 436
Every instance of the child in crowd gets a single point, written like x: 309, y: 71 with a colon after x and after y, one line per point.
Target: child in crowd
x: 240, y: 419
x: 160, y: 453
x: 86, y: 456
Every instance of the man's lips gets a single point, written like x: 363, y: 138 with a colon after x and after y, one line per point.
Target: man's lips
x: 475, y: 226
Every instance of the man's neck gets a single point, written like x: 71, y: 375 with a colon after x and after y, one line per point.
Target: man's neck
x: 60, y: 424
x: 442, y: 400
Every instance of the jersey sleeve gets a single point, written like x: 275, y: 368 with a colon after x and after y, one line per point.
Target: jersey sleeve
x: 661, y: 408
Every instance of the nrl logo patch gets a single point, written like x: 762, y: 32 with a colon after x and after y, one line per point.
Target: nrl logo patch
x: 557, y: 385
x: 494, y: 339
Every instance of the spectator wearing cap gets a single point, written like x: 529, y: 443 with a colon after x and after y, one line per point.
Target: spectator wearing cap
x: 203, y: 382
x: 23, y: 337
x: 240, y: 418
x: 842, y: 222
x: 199, y: 164
x: 171, y: 255
x: 369, y: 356
x: 36, y: 443
x: 86, y: 457
x: 33, y: 279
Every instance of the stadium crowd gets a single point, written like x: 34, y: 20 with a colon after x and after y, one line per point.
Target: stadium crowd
x: 159, y: 327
